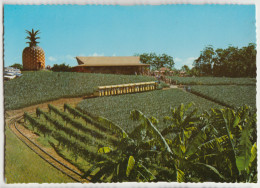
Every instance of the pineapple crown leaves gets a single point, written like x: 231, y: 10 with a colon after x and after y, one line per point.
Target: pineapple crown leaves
x: 32, y: 37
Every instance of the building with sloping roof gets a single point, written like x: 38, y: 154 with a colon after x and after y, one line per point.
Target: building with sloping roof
x: 111, y: 65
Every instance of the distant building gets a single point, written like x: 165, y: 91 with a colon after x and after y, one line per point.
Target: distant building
x: 111, y: 65
x: 182, y: 73
x: 164, y: 71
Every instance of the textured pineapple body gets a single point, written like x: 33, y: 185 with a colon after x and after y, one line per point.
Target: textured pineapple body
x: 33, y: 58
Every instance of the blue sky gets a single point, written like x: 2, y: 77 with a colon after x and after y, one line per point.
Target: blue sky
x: 180, y: 31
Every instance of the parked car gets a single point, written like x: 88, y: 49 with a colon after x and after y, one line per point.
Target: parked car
x: 11, y: 73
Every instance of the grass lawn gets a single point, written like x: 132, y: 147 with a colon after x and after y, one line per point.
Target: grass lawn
x: 155, y: 103
x: 41, y: 86
x: 22, y: 165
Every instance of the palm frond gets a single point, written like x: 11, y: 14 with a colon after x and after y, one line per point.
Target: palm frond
x: 146, y: 123
x: 104, y: 150
x: 211, y: 168
x: 180, y: 176
x: 113, y: 126
x: 130, y: 165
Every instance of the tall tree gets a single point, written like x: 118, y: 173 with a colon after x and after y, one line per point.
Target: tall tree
x: 205, y: 61
x: 17, y: 65
x: 157, y: 61
x: 230, y: 62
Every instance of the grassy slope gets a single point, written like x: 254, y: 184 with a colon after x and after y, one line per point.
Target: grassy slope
x: 36, y: 87
x: 24, y: 166
x: 234, y: 96
x: 154, y: 103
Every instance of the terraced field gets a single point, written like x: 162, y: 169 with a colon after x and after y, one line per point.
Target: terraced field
x: 74, y: 138
x: 232, y: 96
x: 155, y: 103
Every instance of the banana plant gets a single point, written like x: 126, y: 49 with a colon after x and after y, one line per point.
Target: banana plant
x: 131, y: 158
x: 239, y: 155
x: 187, y: 131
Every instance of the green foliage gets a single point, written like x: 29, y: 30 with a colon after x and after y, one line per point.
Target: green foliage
x: 156, y: 103
x: 162, y: 85
x: 37, y: 87
x: 231, y: 62
x: 69, y: 137
x: 239, y: 153
x: 18, y: 66
x: 39, y: 126
x: 231, y: 96
x: 86, y: 118
x: 157, y: 61
x: 212, y: 81
x: 147, y: 124
x: 82, y: 127
x: 129, y: 163
x: 61, y: 68
x: 188, y: 131
x: 218, y: 145
x: 32, y: 37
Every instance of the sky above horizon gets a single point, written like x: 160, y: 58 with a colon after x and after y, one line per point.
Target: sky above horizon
x: 181, y: 31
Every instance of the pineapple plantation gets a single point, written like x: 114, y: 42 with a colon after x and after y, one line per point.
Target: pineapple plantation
x: 192, y: 147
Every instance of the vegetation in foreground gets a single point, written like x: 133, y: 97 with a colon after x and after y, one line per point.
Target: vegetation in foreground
x: 217, y: 146
x: 37, y: 87
x: 156, y: 103
x: 231, y: 96
x: 19, y: 158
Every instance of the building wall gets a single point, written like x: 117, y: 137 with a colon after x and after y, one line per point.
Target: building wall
x: 111, y: 69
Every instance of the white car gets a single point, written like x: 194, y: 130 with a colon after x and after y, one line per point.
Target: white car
x: 9, y: 77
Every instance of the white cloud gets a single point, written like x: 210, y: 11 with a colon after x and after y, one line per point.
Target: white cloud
x: 114, y: 55
x: 189, y: 61
x: 70, y: 57
x: 51, y: 58
x: 96, y: 54
x: 176, y: 59
x: 186, y: 61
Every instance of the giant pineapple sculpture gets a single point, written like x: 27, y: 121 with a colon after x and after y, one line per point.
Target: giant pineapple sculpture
x: 33, y: 56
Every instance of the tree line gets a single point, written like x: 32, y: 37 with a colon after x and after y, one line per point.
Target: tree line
x: 157, y: 61
x: 229, y: 62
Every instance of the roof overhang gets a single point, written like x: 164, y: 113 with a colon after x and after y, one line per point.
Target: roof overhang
x: 109, y: 61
